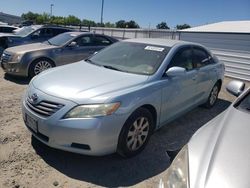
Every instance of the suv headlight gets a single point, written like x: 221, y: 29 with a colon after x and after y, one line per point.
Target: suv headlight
x: 177, y: 173
x: 92, y: 110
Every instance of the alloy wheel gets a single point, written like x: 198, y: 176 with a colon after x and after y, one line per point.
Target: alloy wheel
x: 214, y: 95
x: 137, y: 133
x: 41, y: 66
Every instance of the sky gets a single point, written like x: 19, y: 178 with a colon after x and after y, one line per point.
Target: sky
x: 147, y: 13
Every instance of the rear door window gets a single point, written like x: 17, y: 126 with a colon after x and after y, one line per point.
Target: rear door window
x: 101, y: 41
x: 200, y: 57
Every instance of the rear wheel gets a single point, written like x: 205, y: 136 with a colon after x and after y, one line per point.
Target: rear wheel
x: 135, y: 133
x: 213, y: 96
x: 39, y: 66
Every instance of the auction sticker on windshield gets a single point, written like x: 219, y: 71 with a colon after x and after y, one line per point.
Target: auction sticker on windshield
x: 154, y: 48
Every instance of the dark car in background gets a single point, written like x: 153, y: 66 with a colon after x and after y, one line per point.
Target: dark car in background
x: 7, y: 28
x: 30, y: 34
x: 31, y: 59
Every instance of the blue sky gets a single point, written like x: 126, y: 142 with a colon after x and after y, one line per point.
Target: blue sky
x: 144, y: 12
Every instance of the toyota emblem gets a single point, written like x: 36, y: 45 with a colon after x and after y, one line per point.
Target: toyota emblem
x: 34, y: 98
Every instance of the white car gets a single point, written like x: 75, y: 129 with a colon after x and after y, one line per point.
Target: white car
x: 217, y: 156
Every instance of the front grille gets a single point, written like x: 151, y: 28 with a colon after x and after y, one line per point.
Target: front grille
x: 5, y: 58
x: 44, y: 108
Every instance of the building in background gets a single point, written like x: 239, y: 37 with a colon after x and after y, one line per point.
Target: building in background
x: 10, y: 19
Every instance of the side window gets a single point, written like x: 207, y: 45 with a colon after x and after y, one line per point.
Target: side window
x: 58, y: 31
x: 200, y: 58
x: 84, y: 41
x: 183, y: 58
x: 45, y: 32
x: 101, y: 41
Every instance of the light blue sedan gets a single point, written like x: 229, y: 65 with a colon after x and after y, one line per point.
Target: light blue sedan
x: 115, y: 100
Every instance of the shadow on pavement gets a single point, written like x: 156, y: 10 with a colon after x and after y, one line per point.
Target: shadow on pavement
x: 114, y: 171
x: 17, y: 79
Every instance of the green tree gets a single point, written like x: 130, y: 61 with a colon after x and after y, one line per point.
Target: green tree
x: 88, y: 23
x: 30, y: 16
x: 162, y: 25
x: 72, y: 20
x: 121, y: 24
x: 132, y: 24
x: 183, y: 26
x: 110, y: 25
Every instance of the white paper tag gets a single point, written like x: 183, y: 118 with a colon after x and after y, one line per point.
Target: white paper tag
x: 154, y: 48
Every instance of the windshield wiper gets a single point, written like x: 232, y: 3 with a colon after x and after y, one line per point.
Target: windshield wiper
x: 113, y: 68
x: 90, y: 61
x: 49, y: 42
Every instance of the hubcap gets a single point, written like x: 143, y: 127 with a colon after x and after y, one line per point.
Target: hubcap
x: 214, y: 95
x: 138, y: 133
x: 41, y: 66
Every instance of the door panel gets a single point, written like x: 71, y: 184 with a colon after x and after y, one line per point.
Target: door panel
x: 179, y: 93
x: 206, y: 73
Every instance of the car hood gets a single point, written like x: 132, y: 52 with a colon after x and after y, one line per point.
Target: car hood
x: 83, y: 82
x: 219, y: 153
x: 29, y: 48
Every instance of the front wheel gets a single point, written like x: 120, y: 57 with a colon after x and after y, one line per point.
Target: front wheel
x: 39, y: 66
x: 135, y: 133
x: 213, y: 96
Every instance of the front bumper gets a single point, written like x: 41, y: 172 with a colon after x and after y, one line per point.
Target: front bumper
x: 14, y: 68
x: 90, y: 136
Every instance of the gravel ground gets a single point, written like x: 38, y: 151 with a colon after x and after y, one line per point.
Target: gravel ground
x: 25, y: 162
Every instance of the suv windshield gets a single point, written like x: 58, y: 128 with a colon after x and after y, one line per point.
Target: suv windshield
x: 25, y: 31
x: 61, y: 39
x: 244, y: 104
x: 138, y: 58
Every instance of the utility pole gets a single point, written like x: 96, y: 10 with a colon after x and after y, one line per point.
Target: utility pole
x: 102, y: 12
x: 51, y: 6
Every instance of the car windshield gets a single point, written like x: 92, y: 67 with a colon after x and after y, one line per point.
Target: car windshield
x: 138, y: 58
x: 244, y: 104
x: 61, y: 39
x: 25, y: 31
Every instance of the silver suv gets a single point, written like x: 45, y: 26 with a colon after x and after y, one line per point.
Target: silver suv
x: 30, y: 60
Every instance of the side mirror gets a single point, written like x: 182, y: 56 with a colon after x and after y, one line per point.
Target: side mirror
x: 235, y: 87
x: 72, y: 44
x: 175, y: 71
x: 95, y: 53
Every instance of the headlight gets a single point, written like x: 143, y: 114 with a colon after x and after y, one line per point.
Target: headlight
x: 92, y: 110
x: 177, y: 174
x: 16, y: 58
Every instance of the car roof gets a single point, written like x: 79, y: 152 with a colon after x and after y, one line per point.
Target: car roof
x: 161, y: 42
x: 56, y: 27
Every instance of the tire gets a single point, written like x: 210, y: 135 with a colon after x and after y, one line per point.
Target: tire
x: 213, y: 96
x: 40, y: 65
x: 135, y: 133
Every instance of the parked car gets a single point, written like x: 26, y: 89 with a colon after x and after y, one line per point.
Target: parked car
x: 30, y: 34
x: 7, y: 28
x: 69, y: 47
x: 218, y: 153
x: 114, y: 100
